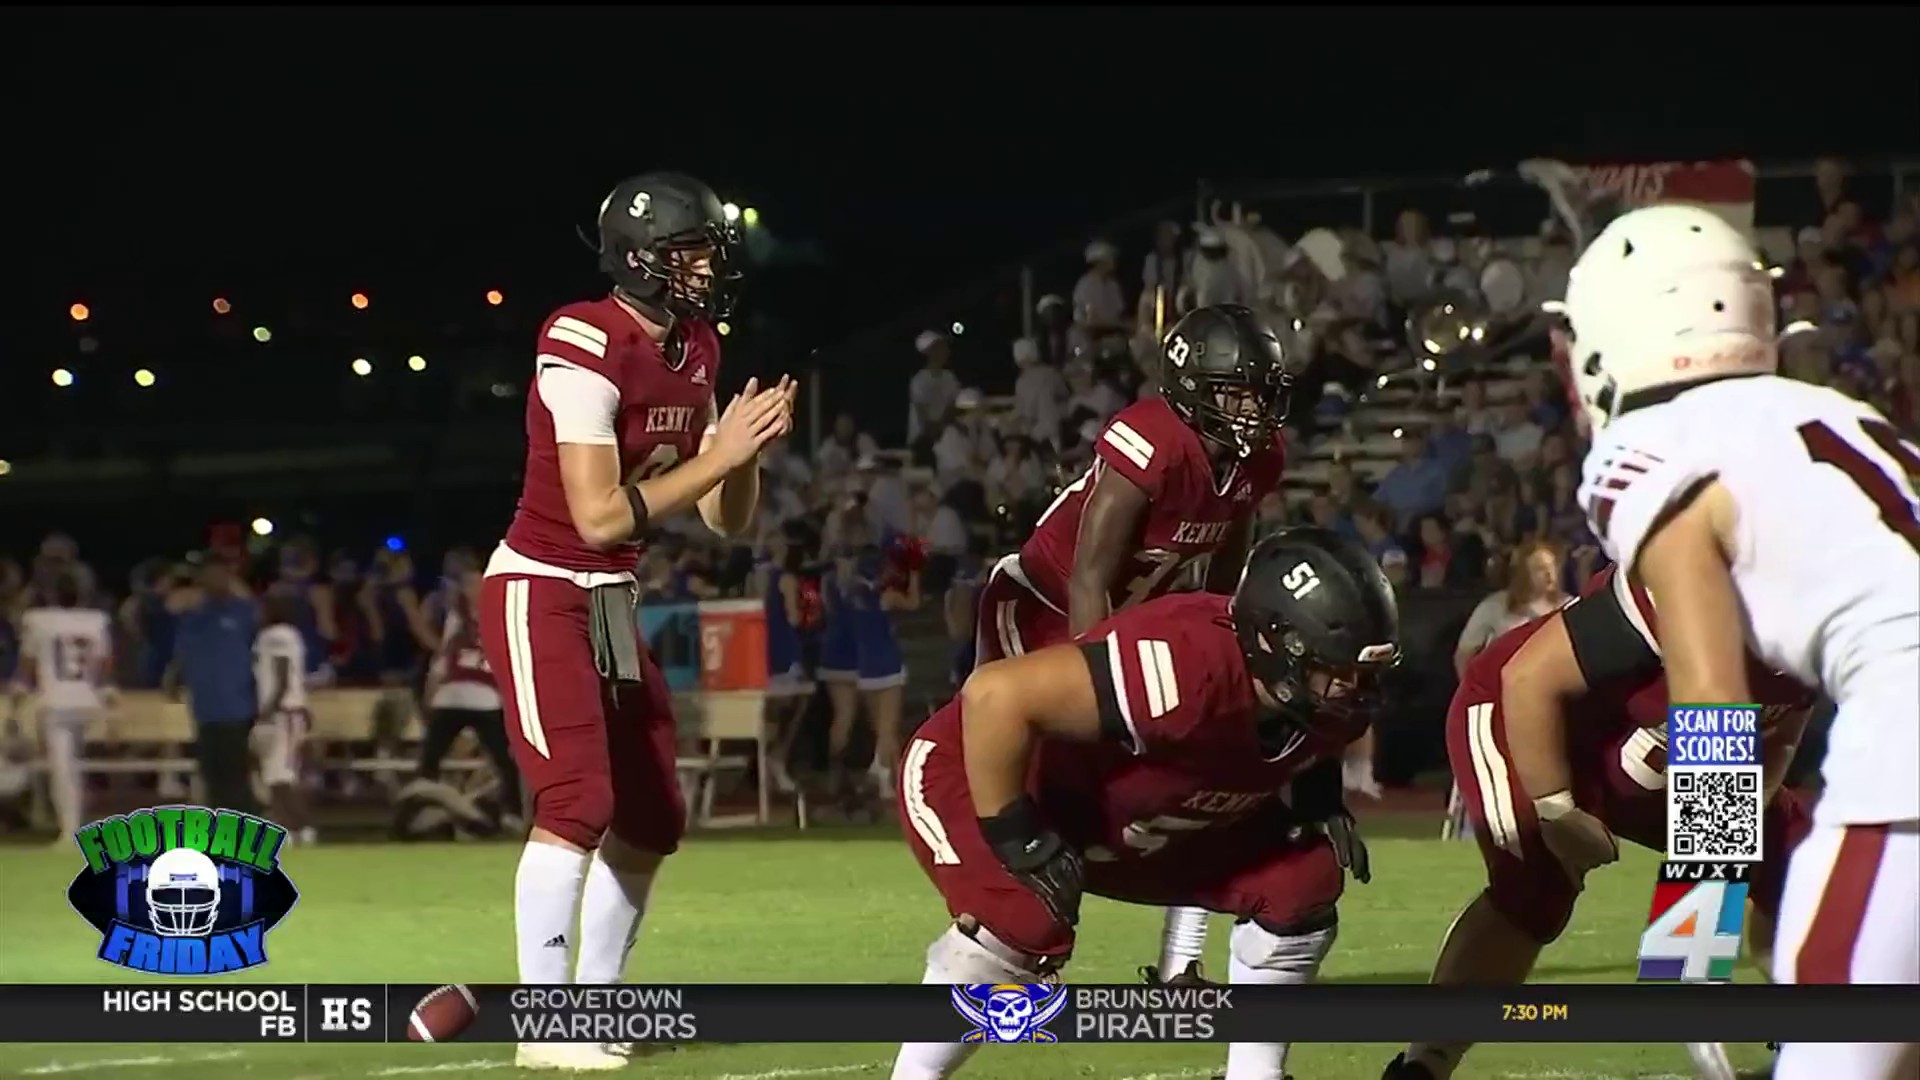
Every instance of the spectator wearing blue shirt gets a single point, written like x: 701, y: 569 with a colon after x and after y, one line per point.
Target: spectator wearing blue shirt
x: 1415, y: 486
x: 1376, y: 534
x: 213, y: 663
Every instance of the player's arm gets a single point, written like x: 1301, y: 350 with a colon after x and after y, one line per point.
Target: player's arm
x: 1589, y: 643
x: 1686, y: 562
x: 907, y: 599
x: 605, y: 510
x: 790, y: 598
x: 1223, y: 569
x: 1007, y: 707
x: 1110, y: 526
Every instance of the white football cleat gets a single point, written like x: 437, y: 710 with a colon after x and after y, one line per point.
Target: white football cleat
x: 567, y: 1057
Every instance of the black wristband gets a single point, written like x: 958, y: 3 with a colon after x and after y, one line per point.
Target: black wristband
x: 1014, y: 827
x: 638, y: 504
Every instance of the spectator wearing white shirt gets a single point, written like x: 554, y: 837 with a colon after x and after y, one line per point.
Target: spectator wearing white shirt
x: 1409, y: 261
x: 1054, y: 328
x: 1015, y: 475
x: 1038, y: 394
x: 931, y: 394
x: 1099, y: 308
x: 889, y: 502
x: 842, y: 448
x: 1165, y: 272
x: 1087, y: 395
x: 1215, y: 278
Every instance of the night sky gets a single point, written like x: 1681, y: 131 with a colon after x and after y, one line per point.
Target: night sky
x: 188, y: 152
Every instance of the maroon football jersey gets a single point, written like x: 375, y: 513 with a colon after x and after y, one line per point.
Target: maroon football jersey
x: 1607, y: 719
x: 663, y: 413
x: 1192, y: 760
x: 461, y: 658
x: 1189, y: 506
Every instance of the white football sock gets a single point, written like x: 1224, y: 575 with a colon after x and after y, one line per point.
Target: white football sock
x: 1183, y: 939
x: 546, y: 891
x: 610, y: 911
x: 953, y: 958
x: 1260, y: 958
x: 64, y: 784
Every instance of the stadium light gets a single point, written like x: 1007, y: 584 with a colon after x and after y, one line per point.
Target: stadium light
x: 80, y: 312
x: 5, y: 466
x: 262, y: 527
x: 360, y: 301
x: 730, y: 211
x: 416, y: 363
x: 62, y: 377
x: 143, y: 378
x: 723, y: 328
x: 495, y: 297
x: 395, y: 543
x: 959, y: 328
x: 750, y: 216
x: 362, y: 368
x: 262, y: 335
x: 1399, y: 433
x: 220, y: 305
x: 1429, y: 365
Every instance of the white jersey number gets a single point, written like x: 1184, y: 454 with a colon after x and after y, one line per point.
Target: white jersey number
x: 1894, y: 500
x: 664, y: 457
x: 1149, y: 836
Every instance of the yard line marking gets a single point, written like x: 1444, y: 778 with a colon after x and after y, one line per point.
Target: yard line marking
x: 783, y: 1074
x: 54, y: 1068
x: 476, y: 1065
x: 1183, y: 1074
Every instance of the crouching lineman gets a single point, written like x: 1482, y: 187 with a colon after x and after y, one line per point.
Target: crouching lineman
x: 1146, y: 762
x: 1557, y: 737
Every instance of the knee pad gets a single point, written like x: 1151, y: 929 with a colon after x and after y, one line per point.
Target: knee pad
x: 577, y: 811
x: 970, y: 953
x: 1293, y: 957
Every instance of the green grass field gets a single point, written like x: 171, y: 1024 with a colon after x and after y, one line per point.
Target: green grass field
x: 826, y: 906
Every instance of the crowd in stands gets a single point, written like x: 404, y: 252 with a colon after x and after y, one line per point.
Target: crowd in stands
x: 1481, y: 497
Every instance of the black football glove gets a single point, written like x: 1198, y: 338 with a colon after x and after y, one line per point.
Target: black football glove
x: 1038, y: 857
x: 1317, y: 796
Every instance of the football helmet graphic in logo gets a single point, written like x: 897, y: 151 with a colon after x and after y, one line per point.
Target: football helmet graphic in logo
x: 183, y: 893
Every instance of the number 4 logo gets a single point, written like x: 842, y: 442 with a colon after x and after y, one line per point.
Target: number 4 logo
x: 1696, y: 936
x: 1301, y: 580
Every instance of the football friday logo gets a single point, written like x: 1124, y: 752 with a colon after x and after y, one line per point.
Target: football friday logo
x: 182, y: 890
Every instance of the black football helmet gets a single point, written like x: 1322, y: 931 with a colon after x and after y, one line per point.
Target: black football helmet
x: 1225, y: 372
x: 1319, y: 628
x: 654, y: 231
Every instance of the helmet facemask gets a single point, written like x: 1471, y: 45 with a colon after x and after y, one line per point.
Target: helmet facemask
x: 1234, y: 410
x: 1311, y: 695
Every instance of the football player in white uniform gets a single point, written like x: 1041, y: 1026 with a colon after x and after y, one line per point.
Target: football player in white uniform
x: 67, y: 654
x: 280, y: 735
x: 1757, y: 509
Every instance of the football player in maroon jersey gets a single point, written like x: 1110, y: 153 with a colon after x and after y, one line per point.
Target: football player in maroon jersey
x: 1573, y: 705
x: 1185, y: 751
x: 622, y: 428
x: 1174, y: 479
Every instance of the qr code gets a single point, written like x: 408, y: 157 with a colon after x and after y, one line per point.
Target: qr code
x: 1713, y: 814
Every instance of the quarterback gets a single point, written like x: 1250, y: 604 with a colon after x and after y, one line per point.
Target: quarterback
x: 622, y: 428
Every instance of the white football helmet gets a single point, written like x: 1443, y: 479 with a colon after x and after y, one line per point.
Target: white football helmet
x: 183, y: 893
x: 1664, y: 295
